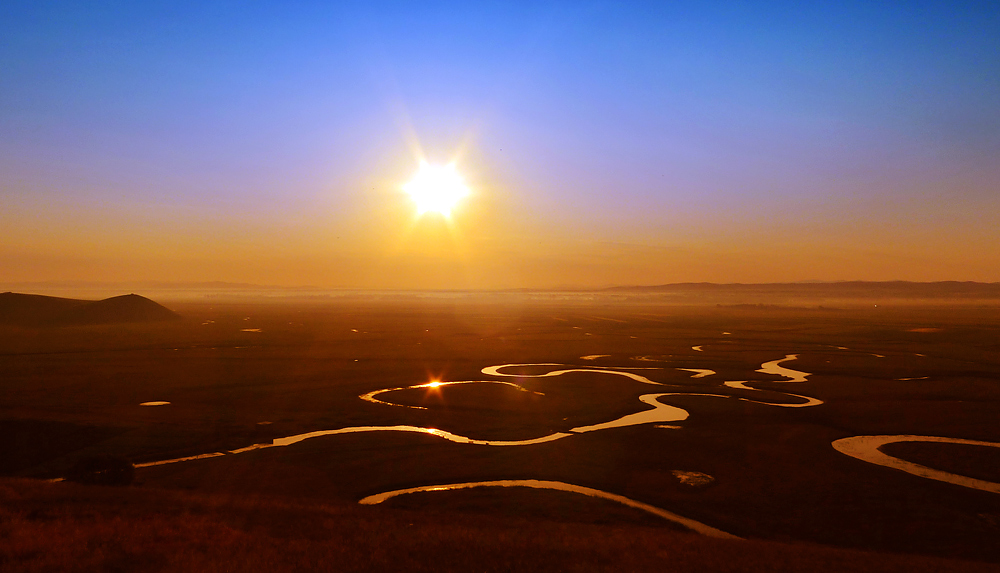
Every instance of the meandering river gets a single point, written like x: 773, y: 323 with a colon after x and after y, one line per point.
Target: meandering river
x: 657, y: 414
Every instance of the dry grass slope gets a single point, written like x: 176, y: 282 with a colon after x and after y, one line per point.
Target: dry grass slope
x: 68, y: 527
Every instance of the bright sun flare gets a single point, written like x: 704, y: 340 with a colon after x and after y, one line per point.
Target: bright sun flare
x: 436, y: 188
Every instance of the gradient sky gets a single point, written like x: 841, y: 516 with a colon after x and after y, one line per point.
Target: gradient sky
x: 267, y: 142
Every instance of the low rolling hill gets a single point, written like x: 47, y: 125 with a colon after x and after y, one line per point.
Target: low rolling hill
x: 38, y: 310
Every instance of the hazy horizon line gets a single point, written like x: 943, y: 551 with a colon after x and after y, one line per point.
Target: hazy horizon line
x: 231, y: 285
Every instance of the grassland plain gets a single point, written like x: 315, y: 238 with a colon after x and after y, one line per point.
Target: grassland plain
x: 239, y: 374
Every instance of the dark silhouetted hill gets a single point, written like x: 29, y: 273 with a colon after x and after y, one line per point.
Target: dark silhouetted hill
x: 27, y: 309
x: 119, y: 309
x: 38, y: 310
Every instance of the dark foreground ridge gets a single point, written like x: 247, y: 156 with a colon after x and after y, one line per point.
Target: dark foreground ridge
x: 70, y: 527
x: 38, y: 310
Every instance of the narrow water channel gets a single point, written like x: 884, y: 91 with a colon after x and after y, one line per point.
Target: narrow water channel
x: 688, y: 523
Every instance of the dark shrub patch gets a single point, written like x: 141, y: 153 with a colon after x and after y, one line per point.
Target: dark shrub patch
x: 102, y: 470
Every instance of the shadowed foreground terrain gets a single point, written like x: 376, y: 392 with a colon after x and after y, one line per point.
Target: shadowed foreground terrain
x: 231, y: 375
x: 81, y: 528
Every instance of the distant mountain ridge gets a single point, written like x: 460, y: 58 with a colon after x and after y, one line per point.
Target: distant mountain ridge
x: 39, y: 310
x: 846, y: 289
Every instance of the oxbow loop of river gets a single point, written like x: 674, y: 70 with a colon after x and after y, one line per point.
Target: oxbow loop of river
x: 866, y: 448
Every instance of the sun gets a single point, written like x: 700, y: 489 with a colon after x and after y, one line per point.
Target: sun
x: 436, y: 188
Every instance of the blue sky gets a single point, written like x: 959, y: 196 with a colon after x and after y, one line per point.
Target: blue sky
x: 607, y: 143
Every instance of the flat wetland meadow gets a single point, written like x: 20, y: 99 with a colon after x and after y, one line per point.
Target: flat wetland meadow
x: 739, y: 450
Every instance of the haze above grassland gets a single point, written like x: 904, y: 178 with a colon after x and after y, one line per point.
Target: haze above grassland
x: 811, y: 293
